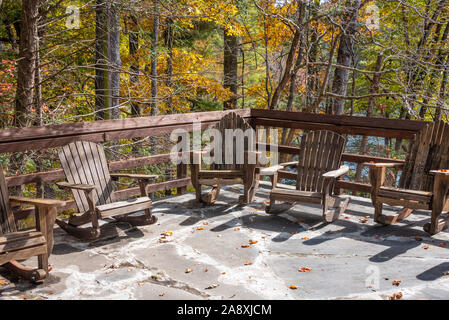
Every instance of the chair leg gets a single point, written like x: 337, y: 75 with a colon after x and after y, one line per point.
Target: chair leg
x: 440, y: 188
x: 330, y: 215
x: 35, y: 275
x: 211, y: 196
x: 143, y: 220
x: 88, y: 233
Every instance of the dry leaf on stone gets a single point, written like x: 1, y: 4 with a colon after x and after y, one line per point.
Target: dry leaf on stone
x: 252, y: 241
x: 212, y: 286
x: 188, y: 270
x: 293, y: 287
x: 396, y: 296
x: 304, y: 269
x: 248, y: 263
x: 396, y: 282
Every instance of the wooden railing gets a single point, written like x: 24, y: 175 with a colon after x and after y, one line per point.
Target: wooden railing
x: 35, y: 138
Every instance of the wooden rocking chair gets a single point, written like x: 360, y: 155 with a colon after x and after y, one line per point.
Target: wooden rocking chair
x: 226, y: 174
x: 423, y: 185
x: 318, y: 169
x: 19, y: 245
x: 88, y: 177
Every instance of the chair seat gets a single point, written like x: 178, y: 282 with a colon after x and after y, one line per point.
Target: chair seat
x: 295, y: 195
x: 406, y: 194
x: 124, y: 207
x: 21, y: 240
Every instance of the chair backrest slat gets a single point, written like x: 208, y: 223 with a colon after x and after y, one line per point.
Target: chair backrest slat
x: 428, y: 150
x: 7, y: 221
x: 320, y: 151
x: 231, y: 121
x: 85, y: 163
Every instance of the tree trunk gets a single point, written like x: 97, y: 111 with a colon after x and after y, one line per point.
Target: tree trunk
x: 230, y: 69
x: 133, y: 38
x: 169, y: 45
x: 344, y: 57
x: 26, y: 63
x: 114, y: 57
x: 100, y: 60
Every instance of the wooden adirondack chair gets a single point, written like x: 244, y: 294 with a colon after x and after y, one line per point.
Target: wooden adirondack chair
x: 19, y: 245
x: 318, y: 168
x: 88, y: 177
x: 423, y: 185
x: 226, y: 174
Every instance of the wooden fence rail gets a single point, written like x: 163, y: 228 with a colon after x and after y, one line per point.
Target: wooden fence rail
x: 17, y: 140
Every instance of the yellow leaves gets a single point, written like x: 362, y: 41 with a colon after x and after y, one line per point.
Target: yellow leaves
x: 245, y: 245
x: 188, y: 270
x: 304, y: 269
x: 253, y: 241
x: 248, y: 263
x: 293, y: 287
x: 200, y: 228
x: 426, y: 246
x: 167, y: 233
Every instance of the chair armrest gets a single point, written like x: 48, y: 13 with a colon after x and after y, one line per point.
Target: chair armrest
x: 336, y: 173
x: 439, y: 172
x: 37, y: 201
x: 269, y: 171
x: 384, y: 164
x: 83, y: 187
x: 289, y: 164
x: 135, y: 176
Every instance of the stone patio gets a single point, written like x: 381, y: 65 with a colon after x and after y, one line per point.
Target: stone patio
x: 353, y: 258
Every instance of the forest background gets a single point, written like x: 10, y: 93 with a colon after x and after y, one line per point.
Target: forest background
x: 66, y: 61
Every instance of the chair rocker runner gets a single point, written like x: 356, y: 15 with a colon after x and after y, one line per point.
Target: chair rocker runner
x: 318, y: 168
x: 423, y: 185
x: 19, y: 245
x: 226, y: 173
x: 88, y: 177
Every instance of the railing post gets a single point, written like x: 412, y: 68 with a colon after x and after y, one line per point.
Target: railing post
x: 181, y: 172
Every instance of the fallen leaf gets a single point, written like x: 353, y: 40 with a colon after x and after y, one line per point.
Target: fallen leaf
x: 212, y: 286
x: 223, y: 272
x: 50, y: 268
x: 443, y: 170
x: 442, y: 245
x: 237, y: 229
x: 418, y: 239
x: 293, y: 233
x: 167, y: 233
x: 396, y: 296
x: 200, y: 228
x: 363, y: 220
x: 162, y: 294
x: 248, y: 263
x: 206, y: 223
x: 245, y: 245
x: 346, y: 218
x: 304, y: 269
x: 305, y: 238
x: 205, y: 270
x: 2, y: 282
x: 396, y: 282
x: 252, y: 241
x: 189, y: 270
x: 293, y: 287
x: 267, y: 202
x: 426, y: 246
